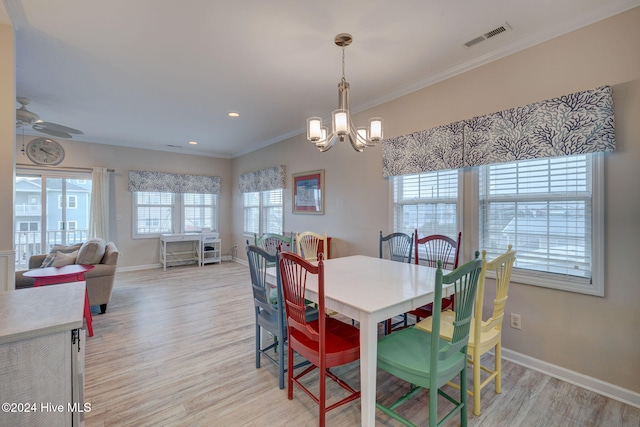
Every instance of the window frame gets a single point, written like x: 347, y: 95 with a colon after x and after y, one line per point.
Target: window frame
x: 397, y: 207
x: 469, y: 223
x: 589, y: 286
x: 262, y: 208
x: 178, y: 215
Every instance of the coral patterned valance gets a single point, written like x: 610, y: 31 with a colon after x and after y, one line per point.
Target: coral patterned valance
x: 173, y: 183
x: 573, y: 124
x: 263, y: 180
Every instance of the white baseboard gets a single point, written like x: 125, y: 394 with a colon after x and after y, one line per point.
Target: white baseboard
x: 606, y: 389
x: 159, y: 265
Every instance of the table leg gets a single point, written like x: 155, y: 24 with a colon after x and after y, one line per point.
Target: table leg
x: 368, y: 369
x: 76, y: 277
x: 87, y: 313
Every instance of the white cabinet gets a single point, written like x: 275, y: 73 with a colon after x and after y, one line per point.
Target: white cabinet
x: 210, y: 248
x: 42, y: 356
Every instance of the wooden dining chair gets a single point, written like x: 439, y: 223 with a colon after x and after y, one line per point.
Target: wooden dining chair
x: 272, y: 242
x: 308, y: 245
x: 423, y: 359
x: 486, y: 334
x: 325, y: 342
x: 399, y: 247
x: 429, y: 250
x: 269, y: 308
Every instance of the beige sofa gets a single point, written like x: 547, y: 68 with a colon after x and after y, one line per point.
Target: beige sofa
x: 99, y: 280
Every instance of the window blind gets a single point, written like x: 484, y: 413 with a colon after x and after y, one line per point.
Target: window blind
x: 543, y: 208
x: 427, y: 202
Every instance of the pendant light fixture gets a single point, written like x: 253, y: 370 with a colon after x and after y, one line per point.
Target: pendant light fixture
x: 341, y: 125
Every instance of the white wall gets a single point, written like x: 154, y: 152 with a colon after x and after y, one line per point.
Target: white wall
x: 593, y: 336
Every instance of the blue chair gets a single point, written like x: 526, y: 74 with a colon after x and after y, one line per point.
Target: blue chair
x: 269, y: 308
x: 425, y: 360
x: 399, y: 247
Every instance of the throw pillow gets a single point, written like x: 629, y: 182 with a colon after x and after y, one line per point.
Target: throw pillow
x: 63, y: 259
x: 91, y: 252
x: 48, y: 260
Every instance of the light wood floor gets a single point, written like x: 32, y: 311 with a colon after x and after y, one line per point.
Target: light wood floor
x: 176, y: 348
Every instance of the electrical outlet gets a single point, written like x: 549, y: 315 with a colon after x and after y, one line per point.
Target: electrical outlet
x: 516, y: 321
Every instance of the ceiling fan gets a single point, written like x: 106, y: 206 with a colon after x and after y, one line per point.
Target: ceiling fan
x: 25, y: 118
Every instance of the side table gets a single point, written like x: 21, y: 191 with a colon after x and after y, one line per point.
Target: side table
x: 66, y: 274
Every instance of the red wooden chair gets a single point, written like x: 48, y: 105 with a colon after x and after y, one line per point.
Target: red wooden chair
x: 429, y: 250
x: 325, y: 342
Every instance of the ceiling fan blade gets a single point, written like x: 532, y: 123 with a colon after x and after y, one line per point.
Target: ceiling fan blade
x: 57, y: 127
x: 52, y: 132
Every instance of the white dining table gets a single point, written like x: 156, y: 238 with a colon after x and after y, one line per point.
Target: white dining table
x: 371, y: 290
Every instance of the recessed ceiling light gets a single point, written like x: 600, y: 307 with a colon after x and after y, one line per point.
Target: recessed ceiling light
x: 233, y: 114
x: 193, y: 143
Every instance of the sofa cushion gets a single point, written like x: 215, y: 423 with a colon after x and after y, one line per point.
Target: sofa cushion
x: 48, y: 261
x: 91, y: 252
x: 63, y: 259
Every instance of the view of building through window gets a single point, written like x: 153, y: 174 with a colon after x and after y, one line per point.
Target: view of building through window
x: 43, y: 220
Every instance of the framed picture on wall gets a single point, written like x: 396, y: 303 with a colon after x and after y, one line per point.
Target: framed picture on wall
x: 308, y: 192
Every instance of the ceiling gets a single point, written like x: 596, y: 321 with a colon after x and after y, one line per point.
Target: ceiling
x: 156, y: 74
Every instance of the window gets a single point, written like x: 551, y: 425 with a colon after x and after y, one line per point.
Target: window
x: 50, y: 209
x: 427, y: 202
x: 28, y: 226
x: 547, y: 209
x: 153, y: 213
x: 156, y: 213
x: 550, y: 210
x: 72, y: 202
x: 263, y: 212
x: 199, y: 212
x: 68, y: 225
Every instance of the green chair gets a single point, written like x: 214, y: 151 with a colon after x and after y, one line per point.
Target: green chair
x: 425, y: 360
x: 270, y: 242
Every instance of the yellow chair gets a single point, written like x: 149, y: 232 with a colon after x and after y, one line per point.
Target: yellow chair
x: 485, y: 334
x: 308, y: 243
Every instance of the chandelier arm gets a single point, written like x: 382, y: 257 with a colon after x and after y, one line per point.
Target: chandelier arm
x: 353, y: 139
x: 328, y: 143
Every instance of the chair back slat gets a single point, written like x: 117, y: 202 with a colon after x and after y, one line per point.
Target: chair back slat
x: 272, y: 242
x: 437, y: 247
x: 294, y: 271
x: 308, y: 243
x: 259, y: 261
x: 399, y: 246
x: 502, y: 266
x: 465, y: 284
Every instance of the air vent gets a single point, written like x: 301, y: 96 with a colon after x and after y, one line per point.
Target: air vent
x: 174, y: 146
x: 488, y: 35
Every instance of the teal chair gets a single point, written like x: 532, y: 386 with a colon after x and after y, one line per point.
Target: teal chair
x: 425, y: 360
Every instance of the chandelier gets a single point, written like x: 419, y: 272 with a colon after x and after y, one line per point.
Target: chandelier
x: 341, y: 125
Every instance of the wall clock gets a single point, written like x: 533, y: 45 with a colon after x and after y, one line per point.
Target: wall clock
x: 45, y: 151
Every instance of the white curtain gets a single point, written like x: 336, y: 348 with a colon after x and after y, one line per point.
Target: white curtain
x: 99, y: 212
